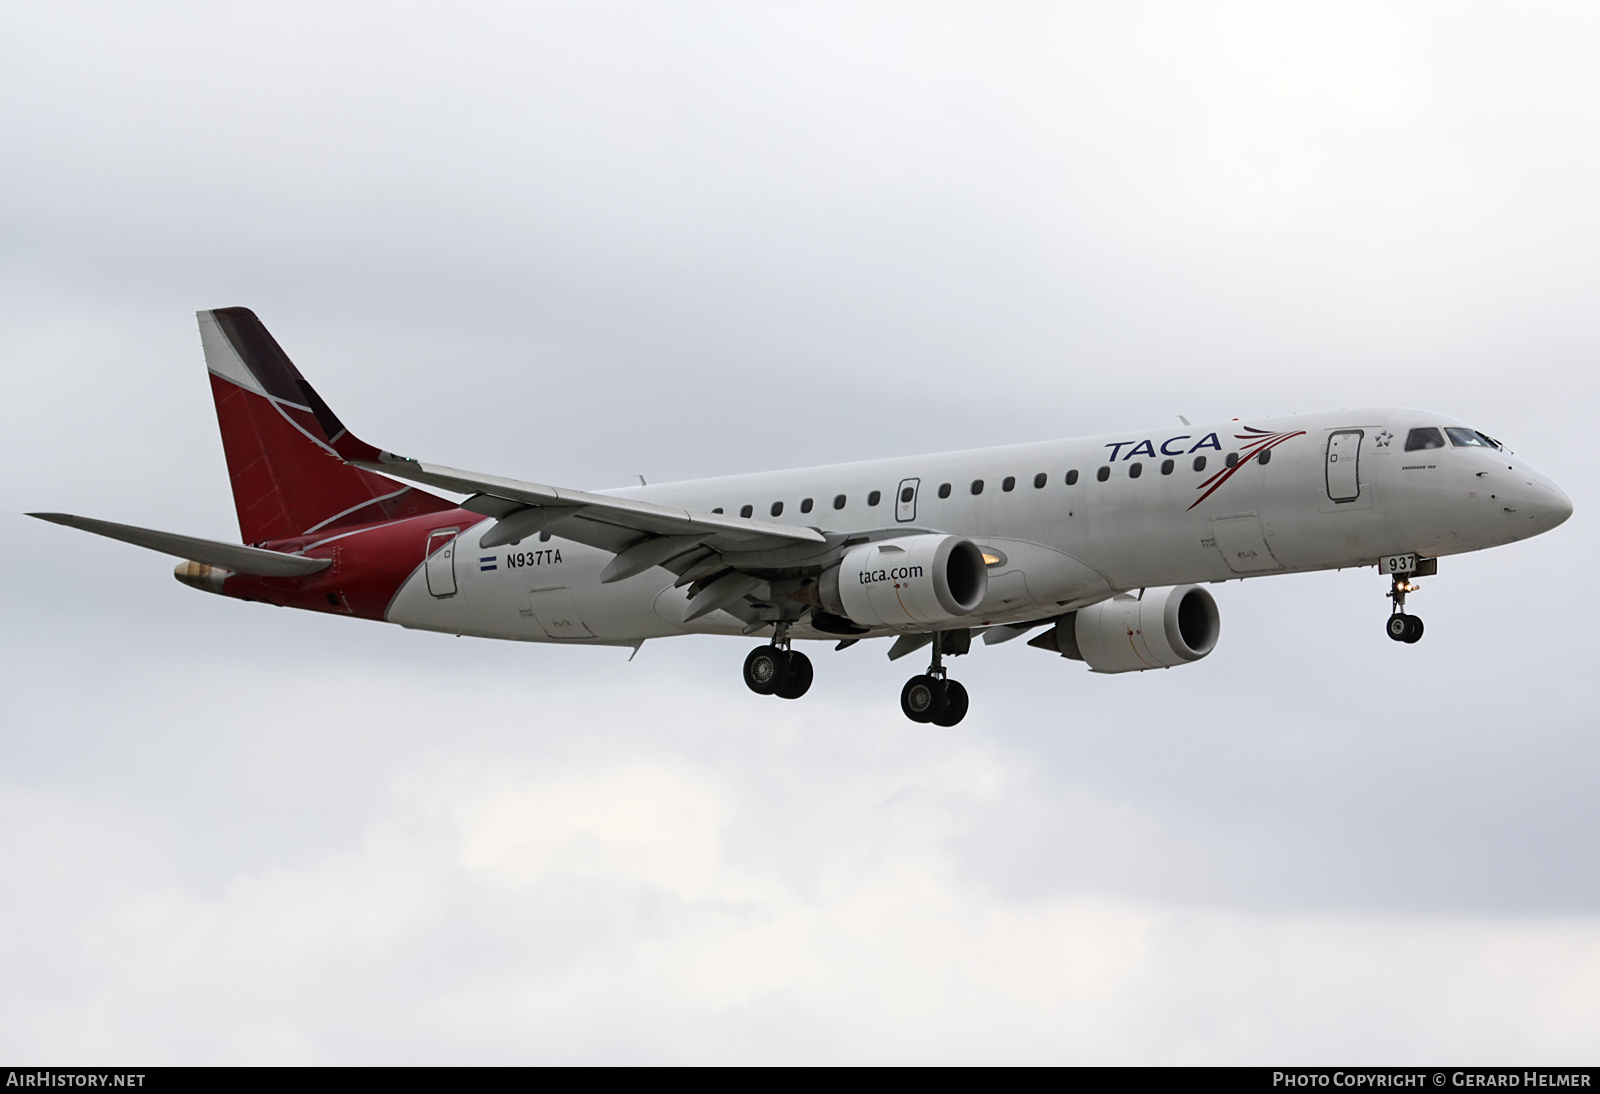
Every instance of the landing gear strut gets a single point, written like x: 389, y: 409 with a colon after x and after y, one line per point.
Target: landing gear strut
x: 932, y: 697
x: 776, y: 669
x: 1402, y: 627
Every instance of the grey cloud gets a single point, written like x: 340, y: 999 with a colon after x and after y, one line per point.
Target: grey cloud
x: 581, y: 242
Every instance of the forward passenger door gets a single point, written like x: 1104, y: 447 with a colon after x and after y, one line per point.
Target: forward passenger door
x: 1344, y: 465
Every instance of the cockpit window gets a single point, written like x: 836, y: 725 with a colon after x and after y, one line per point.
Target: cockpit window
x: 1466, y: 438
x: 1491, y: 442
x: 1427, y: 437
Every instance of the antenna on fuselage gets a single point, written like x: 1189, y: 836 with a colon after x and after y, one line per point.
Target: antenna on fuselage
x: 1184, y: 420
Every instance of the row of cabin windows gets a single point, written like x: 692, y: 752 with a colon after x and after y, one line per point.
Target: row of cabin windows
x: 806, y: 504
x: 1135, y: 469
x: 1007, y: 484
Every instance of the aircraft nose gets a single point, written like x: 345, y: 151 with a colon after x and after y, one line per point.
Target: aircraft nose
x: 1548, y: 505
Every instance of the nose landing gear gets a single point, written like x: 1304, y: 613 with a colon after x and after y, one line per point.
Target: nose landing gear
x: 1402, y: 627
x: 932, y: 697
x: 777, y: 670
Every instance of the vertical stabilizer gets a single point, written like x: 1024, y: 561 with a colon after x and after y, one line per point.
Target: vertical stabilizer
x: 278, y: 436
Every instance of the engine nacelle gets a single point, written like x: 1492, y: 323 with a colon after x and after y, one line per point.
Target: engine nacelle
x: 921, y: 581
x: 1165, y: 627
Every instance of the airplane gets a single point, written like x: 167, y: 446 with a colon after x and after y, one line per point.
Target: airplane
x: 1101, y: 544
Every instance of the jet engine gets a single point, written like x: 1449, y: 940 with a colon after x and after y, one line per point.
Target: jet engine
x: 911, y: 581
x: 1160, y: 629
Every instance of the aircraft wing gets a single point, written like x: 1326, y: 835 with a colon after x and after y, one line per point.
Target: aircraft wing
x: 228, y: 556
x: 610, y: 523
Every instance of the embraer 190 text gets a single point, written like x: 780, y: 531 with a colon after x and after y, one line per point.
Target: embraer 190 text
x: 1102, y: 541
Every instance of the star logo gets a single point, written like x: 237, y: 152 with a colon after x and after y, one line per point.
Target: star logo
x: 1382, y: 439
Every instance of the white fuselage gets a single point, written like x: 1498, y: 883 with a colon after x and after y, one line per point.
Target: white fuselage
x: 1338, y: 490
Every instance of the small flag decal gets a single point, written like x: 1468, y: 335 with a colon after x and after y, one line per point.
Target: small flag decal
x: 487, y: 562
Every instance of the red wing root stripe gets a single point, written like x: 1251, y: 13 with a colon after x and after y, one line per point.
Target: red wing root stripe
x: 1256, y: 442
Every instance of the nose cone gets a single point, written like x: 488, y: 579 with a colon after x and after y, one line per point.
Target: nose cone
x: 1548, y: 505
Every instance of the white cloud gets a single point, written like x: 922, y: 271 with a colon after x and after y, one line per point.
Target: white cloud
x: 583, y: 910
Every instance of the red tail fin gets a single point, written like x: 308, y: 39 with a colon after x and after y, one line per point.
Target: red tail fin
x: 279, y: 435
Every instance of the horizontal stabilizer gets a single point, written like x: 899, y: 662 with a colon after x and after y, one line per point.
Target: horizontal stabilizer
x: 229, y: 556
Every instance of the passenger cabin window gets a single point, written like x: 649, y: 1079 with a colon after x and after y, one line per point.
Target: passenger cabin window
x: 1232, y: 460
x: 805, y: 505
x: 1103, y: 474
x: 838, y: 501
x: 1264, y: 456
x: 777, y: 508
x: 746, y: 510
x: 1166, y: 467
x: 1466, y: 438
x: 544, y: 537
x: 875, y: 497
x: 1135, y: 469
x: 1009, y: 483
x: 1199, y: 463
x: 718, y: 509
x: 977, y: 486
x: 1072, y: 478
x: 1039, y: 480
x: 944, y: 490
x: 1426, y: 437
x: 906, y: 495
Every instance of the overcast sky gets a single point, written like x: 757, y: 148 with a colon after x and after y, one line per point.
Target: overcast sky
x: 575, y: 243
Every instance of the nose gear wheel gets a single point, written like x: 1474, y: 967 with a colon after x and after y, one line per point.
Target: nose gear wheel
x: 1400, y: 626
x: 1404, y: 628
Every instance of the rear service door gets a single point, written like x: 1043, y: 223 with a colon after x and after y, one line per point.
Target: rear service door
x: 441, y: 565
x: 1344, y: 465
x: 905, y: 500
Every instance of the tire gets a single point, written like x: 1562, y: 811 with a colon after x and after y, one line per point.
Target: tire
x: 919, y: 699
x: 1414, y: 632
x: 1398, y: 627
x: 954, y: 707
x: 798, y: 680
x: 766, y: 669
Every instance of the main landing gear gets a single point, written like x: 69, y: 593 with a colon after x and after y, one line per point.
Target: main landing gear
x: 1402, y: 627
x: 775, y: 669
x: 778, y: 670
x: 931, y: 697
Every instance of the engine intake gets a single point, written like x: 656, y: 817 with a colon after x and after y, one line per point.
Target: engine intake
x: 910, y: 581
x: 1165, y: 627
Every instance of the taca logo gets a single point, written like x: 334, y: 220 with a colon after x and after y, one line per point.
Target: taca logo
x: 899, y: 573
x: 1255, y: 442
